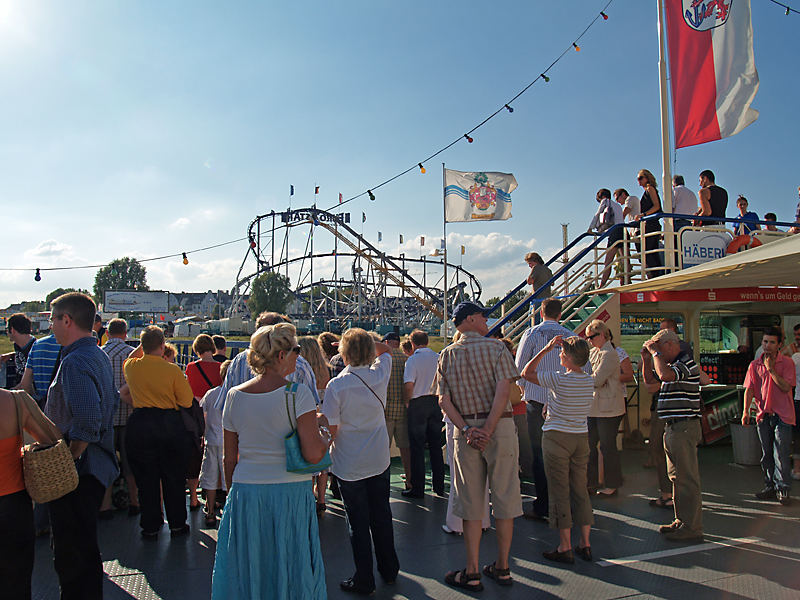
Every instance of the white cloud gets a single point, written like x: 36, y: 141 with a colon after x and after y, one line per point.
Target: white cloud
x: 48, y: 249
x: 180, y: 223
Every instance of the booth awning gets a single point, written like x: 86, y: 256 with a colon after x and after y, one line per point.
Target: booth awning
x: 773, y: 264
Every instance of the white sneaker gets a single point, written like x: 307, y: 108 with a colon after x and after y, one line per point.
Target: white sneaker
x: 447, y: 530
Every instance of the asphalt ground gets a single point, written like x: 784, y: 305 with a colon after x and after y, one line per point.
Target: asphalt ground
x: 751, y: 548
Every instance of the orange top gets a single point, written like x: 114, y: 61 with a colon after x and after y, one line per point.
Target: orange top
x: 11, y: 480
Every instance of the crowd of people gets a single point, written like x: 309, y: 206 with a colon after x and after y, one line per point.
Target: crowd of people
x: 709, y: 205
x: 548, y: 409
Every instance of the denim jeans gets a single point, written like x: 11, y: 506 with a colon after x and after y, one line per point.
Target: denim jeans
x: 366, y: 505
x: 535, y: 421
x: 776, y: 452
x: 425, y: 426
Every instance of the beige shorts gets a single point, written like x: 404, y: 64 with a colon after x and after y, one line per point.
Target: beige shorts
x: 212, y: 471
x: 499, y: 463
x: 399, y: 429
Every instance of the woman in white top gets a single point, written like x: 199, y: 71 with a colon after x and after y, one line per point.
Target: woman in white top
x: 268, y: 542
x: 355, y: 401
x: 564, y: 444
x: 608, y: 408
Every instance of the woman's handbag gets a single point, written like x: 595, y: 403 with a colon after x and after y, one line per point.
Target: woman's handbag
x: 295, y: 463
x: 195, y: 423
x: 48, y: 469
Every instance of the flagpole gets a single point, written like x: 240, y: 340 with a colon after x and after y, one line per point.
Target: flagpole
x: 444, y: 232
x: 666, y: 177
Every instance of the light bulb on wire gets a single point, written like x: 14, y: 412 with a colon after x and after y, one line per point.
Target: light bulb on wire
x: 469, y: 139
x: 185, y: 259
x: 38, y: 276
x: 577, y: 48
x: 545, y: 77
x: 421, y: 168
x: 604, y: 15
x: 371, y: 195
x: 509, y: 109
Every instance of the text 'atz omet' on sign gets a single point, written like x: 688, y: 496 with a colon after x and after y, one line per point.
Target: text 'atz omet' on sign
x: 134, y: 301
x: 698, y: 247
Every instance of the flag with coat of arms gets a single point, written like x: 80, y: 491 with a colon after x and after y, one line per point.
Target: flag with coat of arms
x: 477, y: 196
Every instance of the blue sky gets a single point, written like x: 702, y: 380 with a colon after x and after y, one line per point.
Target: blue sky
x: 150, y: 128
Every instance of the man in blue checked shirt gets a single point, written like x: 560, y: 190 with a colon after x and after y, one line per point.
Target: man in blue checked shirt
x: 81, y: 401
x: 239, y: 371
x: 531, y: 342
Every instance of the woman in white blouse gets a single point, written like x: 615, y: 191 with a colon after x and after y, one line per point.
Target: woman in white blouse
x: 268, y: 542
x: 355, y: 401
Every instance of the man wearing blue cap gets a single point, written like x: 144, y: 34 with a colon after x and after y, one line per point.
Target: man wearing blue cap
x: 472, y: 381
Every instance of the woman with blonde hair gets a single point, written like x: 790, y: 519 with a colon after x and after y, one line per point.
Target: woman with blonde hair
x: 608, y: 408
x: 310, y: 350
x: 268, y: 542
x: 650, y: 204
x: 355, y: 402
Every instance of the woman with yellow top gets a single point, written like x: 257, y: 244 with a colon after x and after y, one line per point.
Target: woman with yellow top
x: 156, y: 440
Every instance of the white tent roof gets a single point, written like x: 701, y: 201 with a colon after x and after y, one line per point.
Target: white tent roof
x: 773, y: 264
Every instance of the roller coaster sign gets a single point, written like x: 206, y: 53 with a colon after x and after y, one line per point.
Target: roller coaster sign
x: 294, y: 216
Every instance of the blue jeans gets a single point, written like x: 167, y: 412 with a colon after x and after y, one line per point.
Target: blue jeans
x: 535, y: 421
x: 776, y: 452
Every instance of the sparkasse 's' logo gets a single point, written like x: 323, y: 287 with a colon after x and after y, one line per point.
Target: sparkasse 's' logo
x: 702, y: 15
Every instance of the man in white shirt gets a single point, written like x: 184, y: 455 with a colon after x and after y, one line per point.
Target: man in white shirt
x: 684, y: 202
x: 424, y: 416
x: 631, y: 205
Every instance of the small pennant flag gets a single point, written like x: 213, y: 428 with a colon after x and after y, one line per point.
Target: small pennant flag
x: 340, y: 197
x: 316, y: 189
x: 463, y: 249
x: 380, y: 236
x: 401, y: 238
x: 291, y: 190
x: 422, y: 240
x: 363, y: 217
x: 441, y: 244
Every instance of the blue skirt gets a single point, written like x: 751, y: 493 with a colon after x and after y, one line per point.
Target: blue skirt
x: 268, y: 544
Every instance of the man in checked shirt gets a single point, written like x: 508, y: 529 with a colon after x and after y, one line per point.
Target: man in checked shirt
x: 473, y: 379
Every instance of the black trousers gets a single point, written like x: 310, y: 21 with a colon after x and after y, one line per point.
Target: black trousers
x: 425, y: 426
x: 16, y: 545
x: 73, y: 522
x: 604, y: 430
x: 366, y: 504
x: 158, y: 452
x: 535, y: 421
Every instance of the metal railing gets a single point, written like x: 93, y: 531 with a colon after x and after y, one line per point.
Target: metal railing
x: 584, y: 271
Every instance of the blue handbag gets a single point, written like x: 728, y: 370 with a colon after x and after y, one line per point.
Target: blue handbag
x: 295, y: 463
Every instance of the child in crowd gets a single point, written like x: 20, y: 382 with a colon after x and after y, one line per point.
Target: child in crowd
x: 211, y: 470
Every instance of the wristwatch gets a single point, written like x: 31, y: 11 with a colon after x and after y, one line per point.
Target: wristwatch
x: 466, y: 428
x: 656, y: 353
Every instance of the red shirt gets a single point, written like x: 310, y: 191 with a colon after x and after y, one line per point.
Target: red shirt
x: 769, y: 397
x: 198, y: 383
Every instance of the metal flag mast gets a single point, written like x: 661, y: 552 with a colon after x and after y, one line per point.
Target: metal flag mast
x: 666, y: 175
x: 444, y: 261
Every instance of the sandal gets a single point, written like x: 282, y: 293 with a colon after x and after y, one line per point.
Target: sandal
x: 501, y: 576
x: 662, y: 502
x: 211, y: 519
x: 462, y: 579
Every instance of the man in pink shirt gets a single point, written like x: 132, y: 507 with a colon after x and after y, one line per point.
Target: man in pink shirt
x: 769, y: 381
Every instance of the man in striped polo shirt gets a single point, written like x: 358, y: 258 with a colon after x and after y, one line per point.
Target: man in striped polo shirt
x: 679, y: 407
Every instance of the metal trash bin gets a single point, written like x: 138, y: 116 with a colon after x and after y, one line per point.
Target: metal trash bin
x: 746, y: 445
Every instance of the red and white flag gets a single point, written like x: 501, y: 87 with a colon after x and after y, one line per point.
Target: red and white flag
x: 712, y: 69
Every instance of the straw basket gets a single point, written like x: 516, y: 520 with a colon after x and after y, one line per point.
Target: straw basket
x: 48, y: 469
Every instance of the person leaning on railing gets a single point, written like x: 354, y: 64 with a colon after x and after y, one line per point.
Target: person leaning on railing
x: 650, y: 204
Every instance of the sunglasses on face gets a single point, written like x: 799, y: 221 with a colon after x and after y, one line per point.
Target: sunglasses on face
x: 594, y: 335
x: 296, y: 350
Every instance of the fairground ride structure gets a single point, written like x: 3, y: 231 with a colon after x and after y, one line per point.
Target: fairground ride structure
x: 351, y: 282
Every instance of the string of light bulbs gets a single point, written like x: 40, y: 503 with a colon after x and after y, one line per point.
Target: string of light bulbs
x: 506, y: 106
x: 788, y: 8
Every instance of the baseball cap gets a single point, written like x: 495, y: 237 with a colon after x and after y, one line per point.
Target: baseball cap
x: 393, y: 336
x: 465, y: 309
